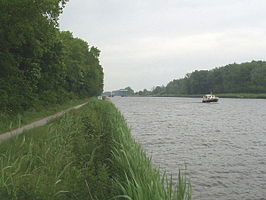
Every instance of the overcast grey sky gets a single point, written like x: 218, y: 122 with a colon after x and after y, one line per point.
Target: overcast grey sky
x: 146, y: 43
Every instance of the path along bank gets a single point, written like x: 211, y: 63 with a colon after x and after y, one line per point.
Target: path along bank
x: 9, y: 134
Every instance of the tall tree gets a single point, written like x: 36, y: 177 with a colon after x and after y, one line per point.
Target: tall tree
x: 39, y: 65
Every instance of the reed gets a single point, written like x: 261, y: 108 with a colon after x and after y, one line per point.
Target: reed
x: 86, y: 154
x: 65, y: 159
x: 137, y: 178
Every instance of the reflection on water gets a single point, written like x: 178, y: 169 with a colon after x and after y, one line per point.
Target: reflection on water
x: 222, y: 145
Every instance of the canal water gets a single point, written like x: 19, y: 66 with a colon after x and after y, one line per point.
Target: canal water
x: 221, y: 146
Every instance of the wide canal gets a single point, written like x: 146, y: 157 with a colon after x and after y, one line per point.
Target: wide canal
x: 221, y: 146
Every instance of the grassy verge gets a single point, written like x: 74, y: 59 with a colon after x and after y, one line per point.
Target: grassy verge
x: 86, y: 154
x: 243, y: 95
x: 225, y: 95
x: 135, y: 174
x: 8, y: 123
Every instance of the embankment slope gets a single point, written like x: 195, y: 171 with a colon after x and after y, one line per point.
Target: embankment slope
x: 86, y: 154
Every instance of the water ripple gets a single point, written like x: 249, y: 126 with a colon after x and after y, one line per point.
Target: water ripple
x: 221, y: 145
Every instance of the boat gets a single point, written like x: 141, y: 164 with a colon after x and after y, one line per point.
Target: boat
x: 209, y: 98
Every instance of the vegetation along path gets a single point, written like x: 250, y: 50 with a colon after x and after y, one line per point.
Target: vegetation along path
x: 41, y: 122
x: 86, y: 154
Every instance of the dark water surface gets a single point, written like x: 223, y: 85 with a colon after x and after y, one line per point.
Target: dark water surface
x: 222, y: 145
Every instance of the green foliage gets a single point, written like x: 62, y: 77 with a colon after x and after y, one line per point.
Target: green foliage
x: 67, y: 159
x: 247, y: 77
x: 86, y: 154
x: 134, y: 173
x: 40, y: 65
x: 158, y: 90
x: 10, y: 122
x: 130, y: 91
x: 145, y: 92
x: 83, y: 73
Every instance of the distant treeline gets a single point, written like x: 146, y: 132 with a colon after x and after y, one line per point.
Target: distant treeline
x: 39, y: 64
x: 247, y: 77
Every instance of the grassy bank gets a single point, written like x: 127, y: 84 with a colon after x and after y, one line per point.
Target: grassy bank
x: 9, y: 122
x: 225, y: 95
x: 86, y: 154
x: 243, y: 95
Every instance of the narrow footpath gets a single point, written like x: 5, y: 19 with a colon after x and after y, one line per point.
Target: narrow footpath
x: 41, y: 122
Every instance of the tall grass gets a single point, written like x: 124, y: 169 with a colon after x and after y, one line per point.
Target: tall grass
x: 86, y: 154
x: 12, y: 121
x: 135, y: 175
x: 65, y: 159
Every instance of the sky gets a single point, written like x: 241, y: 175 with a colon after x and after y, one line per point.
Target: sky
x: 146, y: 43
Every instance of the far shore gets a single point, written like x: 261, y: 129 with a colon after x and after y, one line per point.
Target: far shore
x: 226, y: 95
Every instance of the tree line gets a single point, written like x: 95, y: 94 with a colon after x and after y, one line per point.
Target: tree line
x: 249, y: 77
x: 40, y: 65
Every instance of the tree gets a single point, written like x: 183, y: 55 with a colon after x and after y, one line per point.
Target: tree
x: 39, y: 64
x: 130, y: 91
x: 233, y: 78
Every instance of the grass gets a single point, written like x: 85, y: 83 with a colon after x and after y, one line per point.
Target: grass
x: 66, y: 159
x: 137, y: 178
x: 243, y: 95
x: 8, y: 123
x: 225, y: 95
x: 86, y: 154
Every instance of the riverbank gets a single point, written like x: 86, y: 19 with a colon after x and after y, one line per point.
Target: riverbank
x: 86, y: 154
x: 224, y: 95
x: 11, y: 122
x: 41, y: 122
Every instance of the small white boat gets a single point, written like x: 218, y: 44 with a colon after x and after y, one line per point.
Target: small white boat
x: 209, y: 98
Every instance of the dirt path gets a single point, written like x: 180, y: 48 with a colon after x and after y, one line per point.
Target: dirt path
x: 41, y: 122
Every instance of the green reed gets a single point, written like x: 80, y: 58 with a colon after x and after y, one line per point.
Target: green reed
x: 61, y: 160
x: 86, y: 154
x: 137, y: 178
